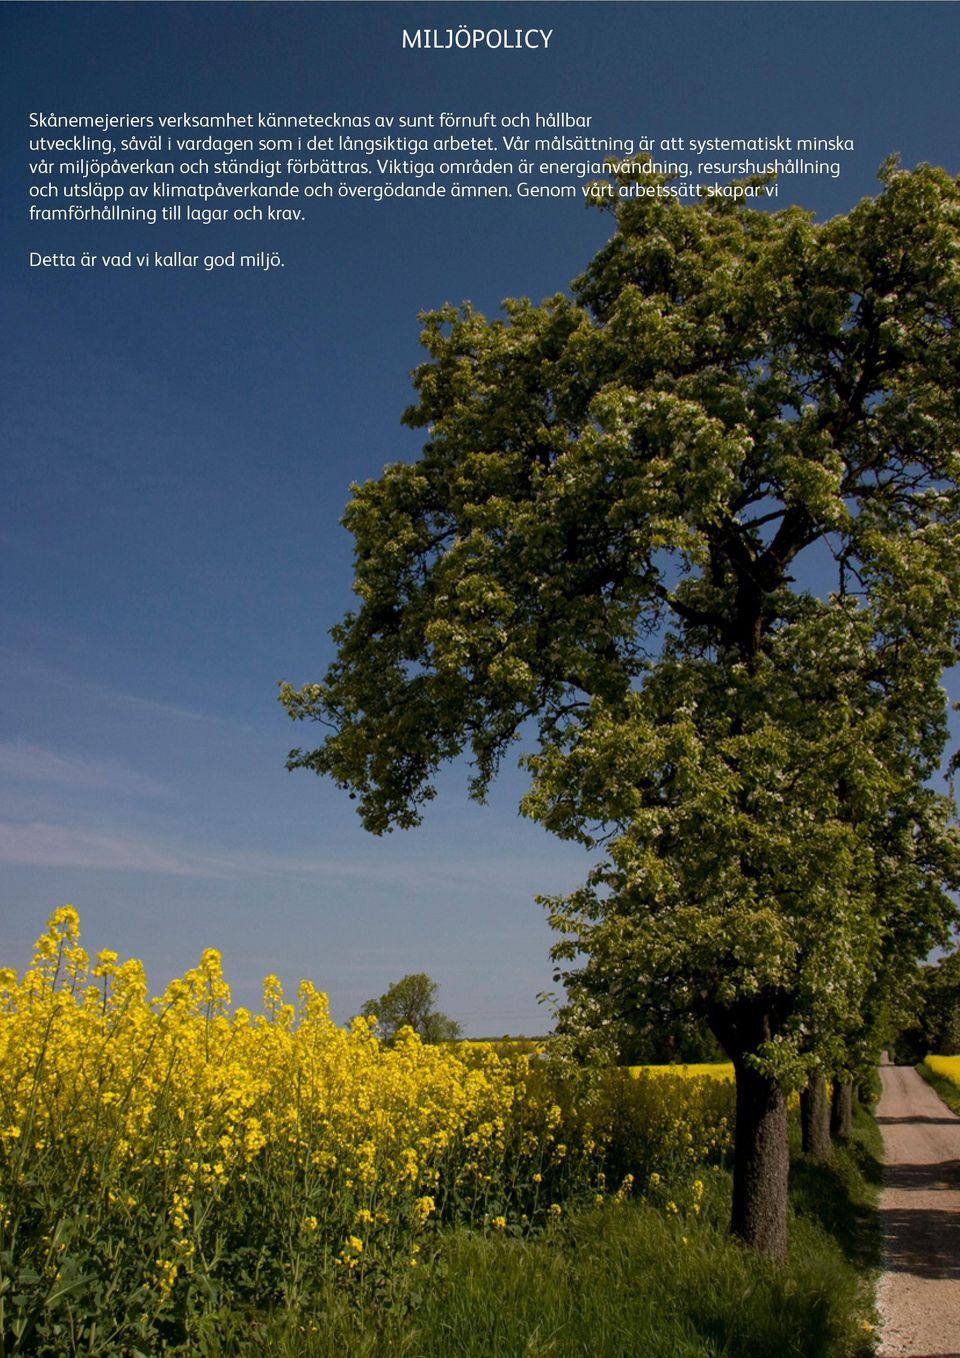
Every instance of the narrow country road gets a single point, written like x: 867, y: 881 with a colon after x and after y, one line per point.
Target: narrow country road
x: 919, y: 1294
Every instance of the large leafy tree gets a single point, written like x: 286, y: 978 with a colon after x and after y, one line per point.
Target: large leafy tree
x: 410, y: 1003
x: 691, y: 534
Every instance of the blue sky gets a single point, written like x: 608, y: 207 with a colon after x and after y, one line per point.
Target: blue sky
x: 178, y: 449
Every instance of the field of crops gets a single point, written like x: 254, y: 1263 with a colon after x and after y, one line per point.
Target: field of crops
x: 163, y: 1157
x: 946, y: 1066
x: 712, y: 1070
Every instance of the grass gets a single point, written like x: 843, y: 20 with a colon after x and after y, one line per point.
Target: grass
x: 617, y: 1282
x: 841, y: 1197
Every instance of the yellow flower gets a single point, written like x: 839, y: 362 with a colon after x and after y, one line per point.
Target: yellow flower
x: 422, y: 1209
x: 178, y: 1101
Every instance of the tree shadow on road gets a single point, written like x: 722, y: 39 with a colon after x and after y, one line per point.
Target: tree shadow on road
x: 937, y: 1122
x: 923, y: 1241
x: 931, y: 1177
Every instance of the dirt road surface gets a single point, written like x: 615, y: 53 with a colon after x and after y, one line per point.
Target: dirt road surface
x: 919, y: 1294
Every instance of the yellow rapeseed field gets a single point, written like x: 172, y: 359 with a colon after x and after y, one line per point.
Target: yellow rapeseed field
x: 713, y: 1070
x: 161, y: 1156
x: 947, y: 1066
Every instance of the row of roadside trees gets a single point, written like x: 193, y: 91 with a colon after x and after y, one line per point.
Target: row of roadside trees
x: 689, y: 535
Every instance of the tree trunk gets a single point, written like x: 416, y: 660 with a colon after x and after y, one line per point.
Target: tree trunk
x: 841, y: 1112
x: 761, y: 1164
x: 815, y: 1118
x: 761, y: 1155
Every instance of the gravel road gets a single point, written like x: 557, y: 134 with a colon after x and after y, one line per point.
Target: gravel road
x: 919, y: 1294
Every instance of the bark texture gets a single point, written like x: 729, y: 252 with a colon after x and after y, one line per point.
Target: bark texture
x: 761, y: 1156
x: 841, y: 1111
x: 815, y: 1119
x: 761, y: 1164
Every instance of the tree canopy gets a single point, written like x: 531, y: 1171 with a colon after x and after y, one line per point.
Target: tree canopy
x: 927, y: 1019
x: 409, y: 1003
x: 690, y: 535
